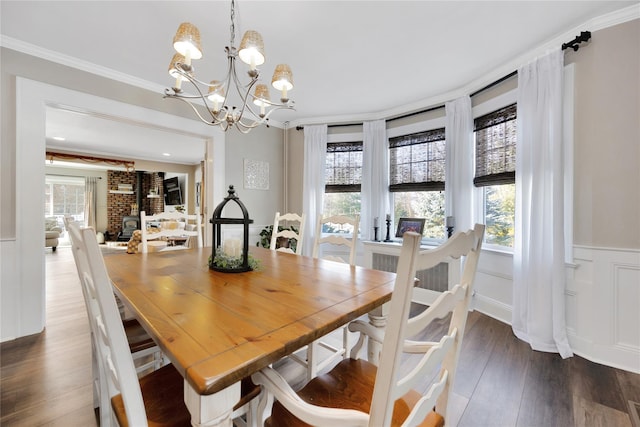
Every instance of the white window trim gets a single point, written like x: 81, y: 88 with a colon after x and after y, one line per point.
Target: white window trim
x: 431, y: 124
x: 344, y: 137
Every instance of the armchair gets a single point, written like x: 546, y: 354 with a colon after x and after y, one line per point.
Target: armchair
x: 52, y: 232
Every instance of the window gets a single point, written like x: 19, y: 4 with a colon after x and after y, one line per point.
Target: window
x: 417, y: 175
x: 343, y: 178
x: 495, y: 148
x: 64, y: 196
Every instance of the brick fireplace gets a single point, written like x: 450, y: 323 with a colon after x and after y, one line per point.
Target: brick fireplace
x: 119, y: 203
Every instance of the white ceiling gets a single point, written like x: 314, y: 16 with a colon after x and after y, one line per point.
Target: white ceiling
x: 350, y: 59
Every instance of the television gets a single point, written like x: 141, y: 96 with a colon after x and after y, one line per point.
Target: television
x: 172, y: 193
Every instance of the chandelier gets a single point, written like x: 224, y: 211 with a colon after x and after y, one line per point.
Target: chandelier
x: 215, y: 95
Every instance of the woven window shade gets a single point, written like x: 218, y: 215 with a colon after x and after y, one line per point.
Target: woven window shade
x: 496, y: 147
x: 417, y: 161
x: 343, y: 169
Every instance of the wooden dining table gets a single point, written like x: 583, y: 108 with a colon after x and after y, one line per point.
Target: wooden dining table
x: 217, y: 328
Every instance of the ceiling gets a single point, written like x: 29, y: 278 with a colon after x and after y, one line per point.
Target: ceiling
x: 350, y: 59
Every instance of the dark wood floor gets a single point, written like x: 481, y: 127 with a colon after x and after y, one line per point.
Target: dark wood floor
x: 46, y: 379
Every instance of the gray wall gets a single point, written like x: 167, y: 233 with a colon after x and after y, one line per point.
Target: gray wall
x: 607, y: 139
x: 265, y: 145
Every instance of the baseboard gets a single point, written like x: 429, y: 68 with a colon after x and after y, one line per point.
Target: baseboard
x: 492, y: 308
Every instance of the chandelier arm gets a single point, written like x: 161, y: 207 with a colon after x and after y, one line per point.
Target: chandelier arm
x: 214, y: 122
x: 226, y: 83
x: 261, y: 121
x: 247, y: 91
x: 189, y: 76
x: 214, y: 119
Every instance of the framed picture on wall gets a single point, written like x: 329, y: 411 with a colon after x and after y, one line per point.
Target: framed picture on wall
x: 410, y: 224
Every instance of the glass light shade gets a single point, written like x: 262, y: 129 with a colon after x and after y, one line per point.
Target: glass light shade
x: 172, y: 67
x: 251, y: 50
x: 216, y: 92
x: 282, y: 77
x: 187, y: 41
x: 262, y: 96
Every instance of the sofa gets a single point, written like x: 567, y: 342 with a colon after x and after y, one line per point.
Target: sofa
x: 51, y: 232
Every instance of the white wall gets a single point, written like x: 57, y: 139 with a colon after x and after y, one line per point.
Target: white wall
x: 22, y: 287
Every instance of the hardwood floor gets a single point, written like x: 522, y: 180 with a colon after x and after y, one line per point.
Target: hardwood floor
x: 46, y: 379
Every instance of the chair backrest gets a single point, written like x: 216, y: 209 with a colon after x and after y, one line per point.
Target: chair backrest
x: 288, y: 218
x: 171, y: 223
x: 116, y: 368
x: 402, y: 334
x: 337, y: 239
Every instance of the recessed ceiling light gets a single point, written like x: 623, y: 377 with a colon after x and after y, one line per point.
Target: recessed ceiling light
x: 166, y: 154
x: 59, y: 138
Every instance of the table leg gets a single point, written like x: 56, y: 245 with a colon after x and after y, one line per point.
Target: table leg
x: 378, y: 319
x: 214, y: 409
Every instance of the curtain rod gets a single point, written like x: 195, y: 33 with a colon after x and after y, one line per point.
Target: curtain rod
x: 584, y: 36
x: 495, y: 83
x: 337, y: 125
x: 129, y: 165
x: 69, y: 176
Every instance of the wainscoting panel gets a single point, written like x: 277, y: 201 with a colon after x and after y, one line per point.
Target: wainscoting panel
x: 603, y: 317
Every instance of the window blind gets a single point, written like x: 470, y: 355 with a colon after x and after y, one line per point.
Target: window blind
x: 417, y: 161
x: 343, y: 170
x: 496, y: 147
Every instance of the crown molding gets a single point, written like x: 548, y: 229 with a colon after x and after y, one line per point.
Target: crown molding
x: 605, y: 21
x: 611, y: 19
x: 615, y: 18
x: 70, y: 61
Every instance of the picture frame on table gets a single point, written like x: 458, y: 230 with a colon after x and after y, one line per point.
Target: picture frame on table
x: 410, y: 224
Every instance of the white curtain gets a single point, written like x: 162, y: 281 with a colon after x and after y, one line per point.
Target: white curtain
x: 538, y: 269
x: 459, y: 162
x: 315, y: 153
x: 90, y: 200
x: 375, y: 195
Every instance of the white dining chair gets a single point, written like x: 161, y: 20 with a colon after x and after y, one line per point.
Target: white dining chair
x: 358, y: 393
x: 158, y: 397
x: 169, y: 225
x: 292, y: 226
x: 347, y: 225
x: 315, y: 359
x: 146, y: 354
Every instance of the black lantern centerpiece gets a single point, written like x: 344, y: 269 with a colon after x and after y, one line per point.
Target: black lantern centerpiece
x: 231, y: 257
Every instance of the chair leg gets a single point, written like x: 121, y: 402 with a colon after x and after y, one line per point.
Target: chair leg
x: 263, y: 407
x: 312, y: 354
x: 96, y: 378
x: 345, y: 343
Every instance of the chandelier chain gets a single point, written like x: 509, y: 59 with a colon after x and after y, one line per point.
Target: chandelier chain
x: 233, y: 23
